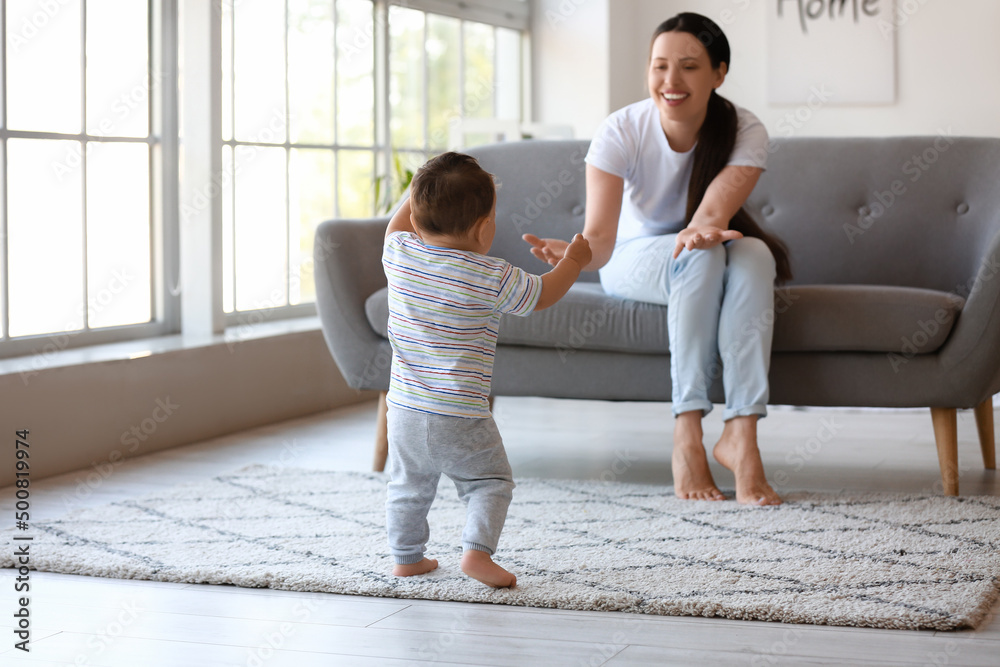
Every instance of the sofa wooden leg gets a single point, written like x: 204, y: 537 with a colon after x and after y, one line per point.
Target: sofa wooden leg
x: 984, y: 424
x: 381, y: 435
x: 946, y: 435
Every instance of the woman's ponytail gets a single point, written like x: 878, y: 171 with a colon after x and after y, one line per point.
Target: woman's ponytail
x: 715, y: 146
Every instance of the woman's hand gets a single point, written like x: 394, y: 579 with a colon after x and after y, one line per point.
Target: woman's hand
x: 700, y: 238
x: 600, y: 227
x: 547, y: 250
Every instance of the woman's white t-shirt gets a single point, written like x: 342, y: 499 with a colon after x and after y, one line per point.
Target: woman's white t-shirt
x: 631, y: 144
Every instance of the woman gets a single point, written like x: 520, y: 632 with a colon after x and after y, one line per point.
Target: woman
x: 686, y: 160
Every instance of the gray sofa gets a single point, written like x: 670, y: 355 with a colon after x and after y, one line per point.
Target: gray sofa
x: 895, y: 244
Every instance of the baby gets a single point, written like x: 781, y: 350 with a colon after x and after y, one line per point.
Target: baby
x: 446, y: 296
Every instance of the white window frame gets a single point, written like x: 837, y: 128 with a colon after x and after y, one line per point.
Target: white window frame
x: 242, y: 318
x: 162, y: 142
x: 186, y: 138
x: 465, y: 13
x: 511, y: 14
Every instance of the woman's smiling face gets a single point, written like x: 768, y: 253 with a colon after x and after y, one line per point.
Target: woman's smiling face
x: 681, y: 77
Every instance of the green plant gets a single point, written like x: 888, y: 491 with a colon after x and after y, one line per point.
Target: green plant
x: 390, y: 187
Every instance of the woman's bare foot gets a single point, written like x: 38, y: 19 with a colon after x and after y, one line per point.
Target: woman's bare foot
x: 737, y: 450
x: 422, y: 567
x: 692, y: 478
x: 479, y: 566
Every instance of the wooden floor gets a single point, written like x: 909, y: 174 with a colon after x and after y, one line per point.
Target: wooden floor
x: 88, y: 621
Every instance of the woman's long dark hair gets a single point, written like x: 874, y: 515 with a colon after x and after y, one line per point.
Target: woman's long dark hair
x: 718, y: 137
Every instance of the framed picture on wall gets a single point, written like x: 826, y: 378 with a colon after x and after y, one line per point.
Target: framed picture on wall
x: 842, y: 52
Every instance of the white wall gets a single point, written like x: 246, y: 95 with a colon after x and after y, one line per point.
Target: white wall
x: 947, y: 62
x: 629, y: 44
x: 81, y: 416
x: 570, y: 63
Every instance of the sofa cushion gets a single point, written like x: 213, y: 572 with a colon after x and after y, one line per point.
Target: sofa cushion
x: 807, y: 318
x: 863, y: 318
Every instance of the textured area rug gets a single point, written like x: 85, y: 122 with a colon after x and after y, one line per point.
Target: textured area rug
x: 877, y: 560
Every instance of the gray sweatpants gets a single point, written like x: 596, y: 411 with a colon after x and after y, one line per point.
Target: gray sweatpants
x: 470, y: 452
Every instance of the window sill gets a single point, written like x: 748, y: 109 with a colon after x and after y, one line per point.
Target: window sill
x: 145, y: 347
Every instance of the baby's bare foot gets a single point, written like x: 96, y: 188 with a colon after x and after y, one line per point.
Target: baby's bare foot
x: 422, y: 567
x: 689, y: 464
x: 479, y: 566
x: 737, y: 450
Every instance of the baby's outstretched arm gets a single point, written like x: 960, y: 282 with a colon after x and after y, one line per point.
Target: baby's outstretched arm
x: 557, y: 282
x: 401, y: 221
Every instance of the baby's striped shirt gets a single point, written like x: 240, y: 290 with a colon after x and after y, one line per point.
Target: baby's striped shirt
x: 444, y: 314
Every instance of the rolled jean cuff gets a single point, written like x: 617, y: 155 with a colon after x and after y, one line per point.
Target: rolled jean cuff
x: 687, y: 406
x: 408, y: 559
x: 760, y: 410
x: 476, y: 546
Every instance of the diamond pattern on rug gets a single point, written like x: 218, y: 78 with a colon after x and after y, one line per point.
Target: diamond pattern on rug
x: 866, y: 560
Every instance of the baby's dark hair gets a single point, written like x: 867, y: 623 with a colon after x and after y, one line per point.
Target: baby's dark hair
x: 450, y: 193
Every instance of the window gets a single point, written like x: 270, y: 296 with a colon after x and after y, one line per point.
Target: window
x: 309, y: 96
x: 298, y: 137
x: 443, y: 69
x: 78, y: 238
x: 321, y: 101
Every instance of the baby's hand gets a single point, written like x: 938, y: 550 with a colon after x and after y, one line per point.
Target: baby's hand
x: 579, y: 251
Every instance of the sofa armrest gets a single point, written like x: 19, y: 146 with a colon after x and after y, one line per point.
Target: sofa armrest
x: 347, y: 259
x: 971, y: 355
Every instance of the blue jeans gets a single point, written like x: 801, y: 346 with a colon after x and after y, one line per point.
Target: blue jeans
x: 720, y: 307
